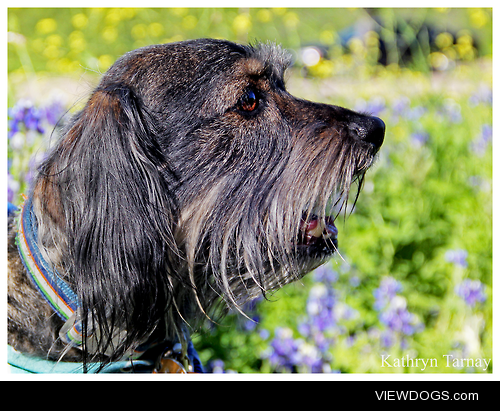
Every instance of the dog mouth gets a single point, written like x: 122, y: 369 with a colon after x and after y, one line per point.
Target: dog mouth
x: 318, y: 235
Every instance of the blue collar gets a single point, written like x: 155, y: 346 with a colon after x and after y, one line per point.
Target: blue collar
x: 20, y: 363
x: 48, y: 281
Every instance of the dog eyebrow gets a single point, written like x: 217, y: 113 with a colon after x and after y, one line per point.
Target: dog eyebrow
x: 262, y: 72
x: 273, y: 59
x: 254, y: 67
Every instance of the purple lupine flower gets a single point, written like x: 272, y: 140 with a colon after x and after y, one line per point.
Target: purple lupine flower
x: 471, y: 291
x: 401, y: 108
x: 320, y: 341
x: 482, y: 141
x: 16, y: 116
x: 251, y: 319
x: 216, y: 367
x: 486, y: 132
x: 321, y: 304
x: 264, y: 334
x: 284, y: 353
x: 416, y: 113
x: 318, y: 328
x: 452, y: 111
x: 33, y: 120
x: 374, y: 106
x: 326, y: 275
x: 387, y: 339
x: 484, y: 94
x: 25, y: 116
x: 457, y: 257
x: 321, y: 308
x: 251, y: 324
x: 387, y: 290
x: 479, y: 183
x: 24, y: 113
x: 419, y: 139
x: 398, y: 319
x: 289, y: 354
x: 354, y: 281
x: 27, y: 125
x: 53, y: 112
x: 394, y: 315
x: 324, y: 311
x: 311, y: 358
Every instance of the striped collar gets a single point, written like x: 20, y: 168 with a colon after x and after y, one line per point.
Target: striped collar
x: 50, y: 283
x: 64, y: 302
x: 52, y: 286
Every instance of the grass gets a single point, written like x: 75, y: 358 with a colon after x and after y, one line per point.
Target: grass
x: 414, y: 279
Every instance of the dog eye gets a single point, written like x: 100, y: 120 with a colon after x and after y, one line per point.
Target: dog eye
x: 248, y: 102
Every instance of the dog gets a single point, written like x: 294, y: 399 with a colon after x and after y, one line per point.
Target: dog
x: 191, y: 182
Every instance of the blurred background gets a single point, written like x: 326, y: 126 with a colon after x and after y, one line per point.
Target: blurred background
x: 415, y: 273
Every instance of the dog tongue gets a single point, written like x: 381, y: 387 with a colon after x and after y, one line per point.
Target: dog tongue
x: 315, y: 228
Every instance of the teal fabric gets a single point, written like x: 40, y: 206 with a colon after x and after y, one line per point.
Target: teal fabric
x: 24, y: 364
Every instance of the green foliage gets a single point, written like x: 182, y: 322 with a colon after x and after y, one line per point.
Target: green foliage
x: 423, y: 222
x: 63, y: 40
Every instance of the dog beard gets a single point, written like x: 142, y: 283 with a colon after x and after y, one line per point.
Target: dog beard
x: 252, y: 233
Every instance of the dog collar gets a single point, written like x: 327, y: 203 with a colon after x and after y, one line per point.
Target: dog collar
x: 20, y: 363
x: 169, y: 362
x: 64, y: 302
x: 50, y: 283
x: 56, y: 291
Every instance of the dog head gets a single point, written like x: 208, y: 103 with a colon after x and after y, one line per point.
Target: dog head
x: 191, y: 176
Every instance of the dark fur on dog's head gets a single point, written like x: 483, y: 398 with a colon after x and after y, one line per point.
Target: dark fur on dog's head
x: 193, y: 176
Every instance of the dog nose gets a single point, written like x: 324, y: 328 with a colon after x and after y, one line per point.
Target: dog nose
x: 376, y: 133
x: 370, y: 129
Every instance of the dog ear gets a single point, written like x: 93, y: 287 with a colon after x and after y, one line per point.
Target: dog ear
x: 113, y: 182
